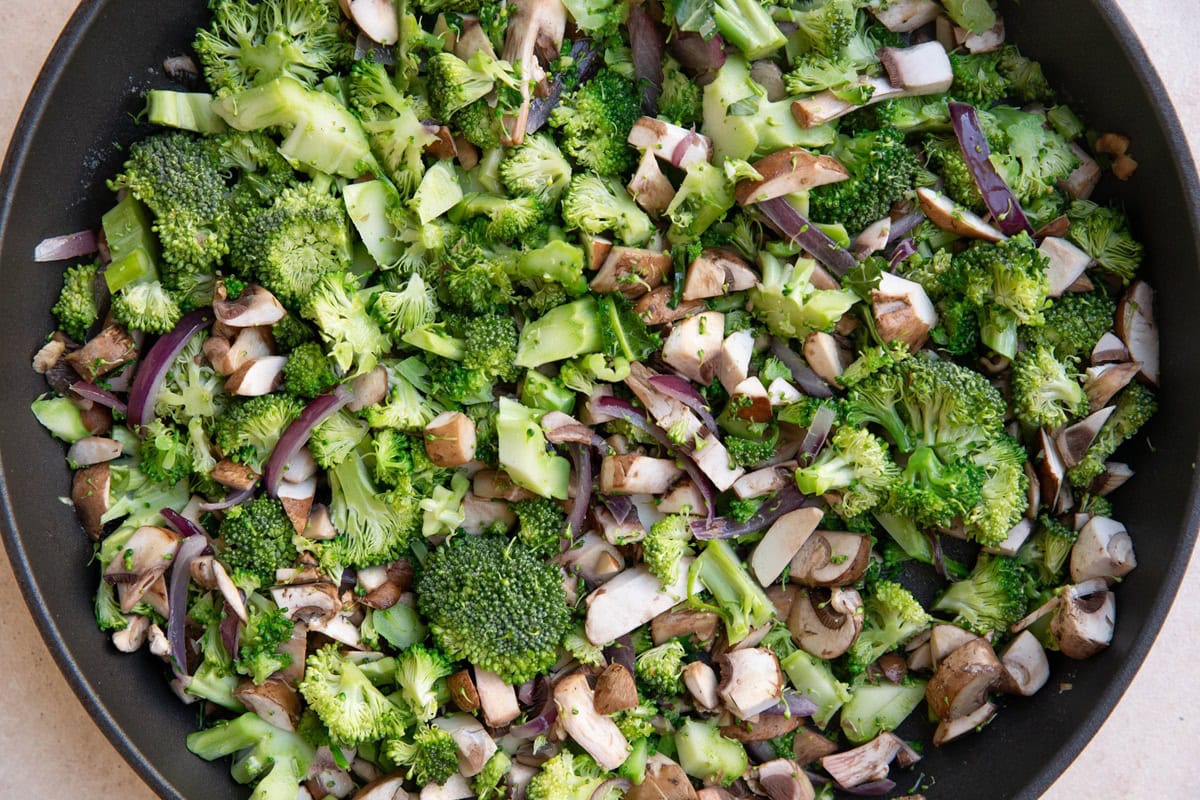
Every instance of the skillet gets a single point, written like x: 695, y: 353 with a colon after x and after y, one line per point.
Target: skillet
x: 69, y: 139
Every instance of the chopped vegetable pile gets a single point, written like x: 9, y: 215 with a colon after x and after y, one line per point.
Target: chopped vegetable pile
x: 575, y: 400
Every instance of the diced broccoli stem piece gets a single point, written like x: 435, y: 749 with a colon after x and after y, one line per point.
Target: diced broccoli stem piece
x: 738, y: 599
x: 61, y: 417
x: 541, y: 392
x: 558, y: 261
x: 564, y: 332
x: 438, y: 193
x: 189, y: 111
x: 749, y: 27
x: 707, y: 755
x: 523, y: 452
x: 812, y: 676
x: 976, y: 16
x: 366, y: 205
x: 434, y: 339
x: 875, y: 708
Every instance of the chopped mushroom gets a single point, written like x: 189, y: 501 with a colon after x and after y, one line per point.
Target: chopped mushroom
x: 462, y: 691
x: 89, y: 493
x: 131, y: 638
x: 142, y: 561
x: 311, y: 603
x: 661, y: 138
x: 950, y: 216
x: 945, y: 639
x: 767, y: 480
x: 825, y: 622
x: 683, y: 498
x: 655, y: 308
x: 921, y: 69
x: 497, y: 698
x: 596, y: 734
x: 826, y: 356
x: 1084, y: 620
x: 865, y: 763
x: 1066, y: 263
x: 783, y: 779
x: 389, y: 787
x: 1073, y: 441
x: 1026, y: 668
x: 535, y: 34
x: 258, y: 377
x: 632, y: 271
x: 111, y: 348
x: 701, y: 682
x: 254, y: 307
x: 664, y: 780
x: 751, y: 401
x: 699, y: 624
x: 817, y: 109
x: 320, y: 526
x: 1103, y: 549
x: 450, y: 439
x: 1051, y: 470
x: 630, y: 600
x: 475, y: 745
x: 456, y: 787
x: 790, y: 170
x: 781, y: 542
x: 1115, y: 476
x: 713, y: 460
x: 962, y: 680
x: 368, y: 389
x: 716, y: 272
x: 228, y: 356
x: 987, y: 42
x: 831, y: 558
x: 615, y: 690
x: 733, y: 365
x: 91, y: 450
x: 950, y: 729
x: 905, y: 16
x: 751, y: 681
x: 809, y: 746
x: 873, y: 238
x: 903, y: 311
x: 1136, y: 326
x: 1103, y: 382
x: 649, y: 187
x: 694, y: 345
x: 297, y: 501
x: 494, y: 484
x: 234, y: 475
x: 637, y: 474
x: 273, y: 700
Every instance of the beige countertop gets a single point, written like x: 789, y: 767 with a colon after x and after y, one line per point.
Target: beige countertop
x: 49, y: 747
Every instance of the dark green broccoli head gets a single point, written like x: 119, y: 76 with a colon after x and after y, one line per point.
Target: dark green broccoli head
x: 1134, y: 408
x: 1007, y: 282
x: 258, y: 538
x: 992, y: 598
x: 659, y: 670
x: 947, y: 160
x: 680, y: 101
x: 594, y: 121
x: 1073, y: 324
x: 1046, y: 392
x: 291, y: 332
x: 882, y: 169
x: 491, y: 345
x: 496, y: 604
x: 164, y: 454
x: 480, y: 124
x: 977, y: 78
x: 542, y: 525
x: 76, y: 309
x: 248, y: 429
x: 933, y: 493
x: 308, y: 371
x: 265, y: 631
x: 429, y: 753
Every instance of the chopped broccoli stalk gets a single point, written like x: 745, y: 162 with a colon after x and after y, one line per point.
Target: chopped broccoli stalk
x: 737, y: 598
x: 557, y: 262
x: 564, y: 332
x: 877, y: 707
x: 439, y: 192
x: 524, y: 455
x: 545, y: 393
x: 188, y: 111
x: 400, y: 625
x: 127, y: 227
x: 703, y: 198
x: 813, y: 677
x: 280, y: 758
x: 61, y: 417
x: 708, y: 756
x: 434, y: 339
x: 346, y: 701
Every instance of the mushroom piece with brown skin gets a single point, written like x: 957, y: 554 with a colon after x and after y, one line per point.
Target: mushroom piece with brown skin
x: 698, y: 624
x: 664, y: 780
x: 320, y: 526
x: 663, y: 138
x: 1104, y: 549
x: 715, y: 272
x: 1026, y: 668
x: 630, y: 600
x: 535, y: 34
x: 227, y: 356
x: 701, y: 682
x: 92, y: 450
x: 903, y: 311
x: 694, y: 344
x: 462, y: 691
x: 254, y: 307
x: 792, y: 169
x: 945, y: 639
x: 368, y: 389
x: 497, y: 698
x: 781, y: 542
x: 751, y: 401
x: 783, y: 779
x: 234, y: 475
x: 450, y: 439
x: 649, y: 187
x: 1115, y: 476
x: 762, y: 728
x: 950, y: 729
x: 475, y: 745
x: 1051, y: 470
x: 1109, y: 350
x: 831, y: 558
x: 273, y: 700
x: 311, y: 603
x: 825, y: 622
x: 950, y: 216
x: 826, y: 356
x: 809, y: 746
x: 596, y: 734
x: 1084, y: 620
x: 1137, y: 328
x: 1066, y: 263
x: 637, y: 474
x: 751, y: 681
x: 89, y: 493
x: 1103, y: 382
x: 733, y: 363
x: 111, y: 348
x: 131, y: 638
x: 962, y: 680
x: 258, y: 377
x: 920, y: 69
x: 389, y: 787
x: 655, y: 307
x: 141, y: 562
x: 615, y: 690
x: 1073, y: 441
x: 377, y: 19
x: 632, y: 271
x: 865, y: 763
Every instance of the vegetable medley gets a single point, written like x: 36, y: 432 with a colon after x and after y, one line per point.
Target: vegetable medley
x: 576, y: 399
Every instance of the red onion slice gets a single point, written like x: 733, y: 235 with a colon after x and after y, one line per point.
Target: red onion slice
x: 622, y: 652
x: 157, y: 362
x: 298, y: 433
x: 619, y: 505
x: 232, y: 499
x: 793, y: 704
x: 546, y: 717
x: 603, y: 791
x: 905, y: 225
x: 695, y: 53
x: 681, y: 389
x: 646, y: 42
x: 903, y: 250
x: 90, y: 391
x: 182, y: 525
x: 177, y: 594
x: 230, y: 630
x: 818, y: 431
x: 581, y: 457
x: 784, y: 218
x: 62, y: 248
x: 998, y: 197
x: 788, y: 500
x: 808, y: 381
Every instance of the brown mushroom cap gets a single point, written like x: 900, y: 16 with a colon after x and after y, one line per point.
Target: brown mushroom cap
x: 1085, y: 618
x: 831, y: 558
x: 950, y: 216
x: 665, y: 780
x: 783, y: 779
x: 961, y: 683
x: 824, y: 623
x: 273, y: 700
x: 789, y: 170
x: 615, y: 689
x: 1136, y: 326
x: 89, y: 493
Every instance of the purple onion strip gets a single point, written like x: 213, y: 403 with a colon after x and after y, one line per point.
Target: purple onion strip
x: 621, y: 652
x: 90, y: 391
x: 681, y: 389
x: 997, y: 195
x: 784, y: 217
x: 619, y: 505
x: 177, y: 593
x: 695, y: 53
x: 182, y: 525
x: 298, y: 433
x: 872, y: 789
x: 788, y: 499
x: 809, y: 382
x: 903, y: 250
x: 818, y: 431
x: 546, y: 716
x: 157, y: 362
x: 646, y: 42
x: 581, y: 457
x: 61, y: 248
x: 231, y: 631
x: 905, y: 225
x: 232, y: 499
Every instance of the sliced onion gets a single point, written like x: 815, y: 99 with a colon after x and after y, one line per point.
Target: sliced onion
x: 809, y: 382
x: 525, y: 692
x: 602, y: 791
x: 788, y: 500
x: 230, y: 630
x: 103, y: 397
x: 646, y: 42
x: 999, y: 198
x: 232, y: 499
x: 872, y: 789
x: 587, y: 62
x: 621, y: 651
x: 793, y: 704
x: 182, y: 525
x: 177, y: 594
x: 784, y: 217
x: 154, y: 367
x: 818, y: 431
x: 681, y: 150
x: 62, y: 248
x: 581, y: 457
x: 546, y: 717
x: 299, y: 432
x: 562, y: 428
x: 760, y: 752
x: 619, y: 505
x: 695, y: 53
x: 681, y: 389
x: 905, y: 225
x: 903, y: 250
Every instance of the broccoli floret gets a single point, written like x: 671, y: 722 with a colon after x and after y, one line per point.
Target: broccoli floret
x: 789, y: 305
x: 406, y: 310
x: 882, y: 170
x: 430, y: 755
x: 475, y: 279
x: 703, y: 197
x: 1003, y: 495
x: 1103, y: 233
x: 291, y: 332
x: 442, y: 510
x: 542, y: 525
x: 480, y: 123
x: 957, y: 331
x: 1034, y: 157
x: 178, y: 177
x: 665, y: 544
x: 950, y: 408
x: 278, y: 758
x: 815, y: 72
x: 393, y: 456
x: 740, y: 510
x: 1073, y: 324
x: 993, y: 597
x: 146, y: 307
x: 707, y: 755
x: 946, y: 158
x: 248, y: 429
x: 258, y: 538
x: 977, y: 78
x: 308, y: 371
x: 249, y: 43
x: 452, y: 382
x: 486, y: 784
x: 1046, y: 391
x: 454, y: 84
x: 594, y: 121
x: 1047, y: 551
x: 262, y: 173
x: 346, y: 701
x: 681, y: 100
x: 107, y: 610
x: 1007, y: 282
x: 486, y: 439
x: 1026, y: 81
x: 1134, y: 408
x: 933, y: 493
x: 597, y: 205
x: 737, y: 598
x: 374, y: 526
x: 265, y: 631
x: 407, y: 405
x: 496, y: 604
x: 164, y: 454
x: 137, y: 499
x: 508, y: 218
x: 338, y: 307
x: 191, y: 388
x: 76, y: 309
x: 536, y: 169
x: 567, y: 777
x: 855, y: 462
x: 291, y: 245
x: 392, y: 122
x: 659, y: 670
x: 334, y: 439
x: 892, y: 616
x: 825, y: 28
x: 418, y: 670
x: 581, y: 648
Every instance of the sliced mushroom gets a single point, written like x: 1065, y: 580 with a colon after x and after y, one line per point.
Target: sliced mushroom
x: 1084, y: 620
x: 781, y: 542
x: 873, y: 238
x: 678, y: 622
x: 654, y: 307
x: 253, y: 308
x: 397, y: 580
x: 1104, y: 549
x: 92, y: 450
x: 637, y: 474
x: 389, y: 787
x: 818, y: 109
x: 769, y: 76
x: 694, y: 345
x: 630, y: 600
x: 234, y: 475
x: 462, y: 691
x: 1103, y: 382
x: 300, y: 467
x: 713, y: 460
x: 273, y: 700
x: 320, y: 526
x: 368, y: 389
x: 450, y: 439
x: 493, y: 484
x: 649, y: 187
x: 790, y: 170
x: 632, y: 271
x: 1115, y: 476
x: 950, y: 729
x: 905, y: 16
x: 920, y: 69
x: 1016, y: 537
x: 809, y: 746
x: 297, y: 648
x: 456, y: 787
x: 664, y: 780
x: 229, y: 356
x: 49, y: 355
x: 497, y: 699
x: 377, y: 19
x: 159, y: 644
x: 1073, y: 441
x: 903, y: 311
x: 733, y: 365
x: 596, y: 734
x: 111, y: 348
x: 683, y: 498
x: 1136, y: 326
x: 783, y: 779
x: 764, y: 728
x: 751, y: 681
x: 229, y: 592
x: 257, y: 378
x: 1066, y: 263
x: 825, y: 622
x: 945, y: 639
x: 962, y: 680
x: 865, y: 763
x: 311, y: 603
x: 131, y: 638
x: 1051, y: 469
x: 89, y: 493
x: 767, y: 480
x: 615, y: 690
x: 1083, y: 180
x: 716, y: 272
x: 831, y: 558
x: 701, y: 682
x: 475, y: 745
x: 950, y: 216
x: 783, y: 393
x: 751, y: 401
x: 1026, y: 668
x: 141, y: 562
x: 826, y: 356
x: 663, y: 140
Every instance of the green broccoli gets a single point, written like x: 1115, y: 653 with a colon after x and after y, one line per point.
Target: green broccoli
x: 418, y: 670
x: 816, y: 72
x: 736, y: 597
x: 855, y: 462
x: 935, y: 493
x: 431, y: 755
x: 258, y: 654
x: 508, y: 218
x: 407, y: 405
x: 350, y: 706
x: 1134, y: 408
x: 882, y: 170
x: 1034, y: 157
x: 191, y: 388
x: 524, y: 454
x: 659, y: 670
x: 392, y: 123
x: 1046, y: 552
x: 596, y: 205
x: 542, y: 525
x: 681, y: 100
x: 487, y: 784
x: 875, y: 707
x: 405, y: 310
x: 136, y: 499
x: 164, y: 454
x: 1007, y: 282
x: 279, y: 759
x: 495, y: 603
x: 814, y: 678
x: 892, y: 616
x: 789, y: 305
x: 568, y: 777
x: 374, y: 526
x: 593, y: 123
x: 334, y: 440
x: 308, y: 371
x: 480, y: 123
x: 708, y: 756
x: 825, y: 28
x: 536, y: 169
x: 258, y: 538
x: 453, y: 84
x: 1004, y: 493
x: 977, y: 78
x: 1046, y: 391
x: 291, y: 332
x: 146, y: 306
x: 991, y: 599
x: 247, y: 430
x: 338, y: 306
x: 703, y: 197
x: 1073, y: 324
x: 1103, y: 233
x: 76, y: 309
x: 947, y: 159
x: 666, y: 543
x: 1026, y: 81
